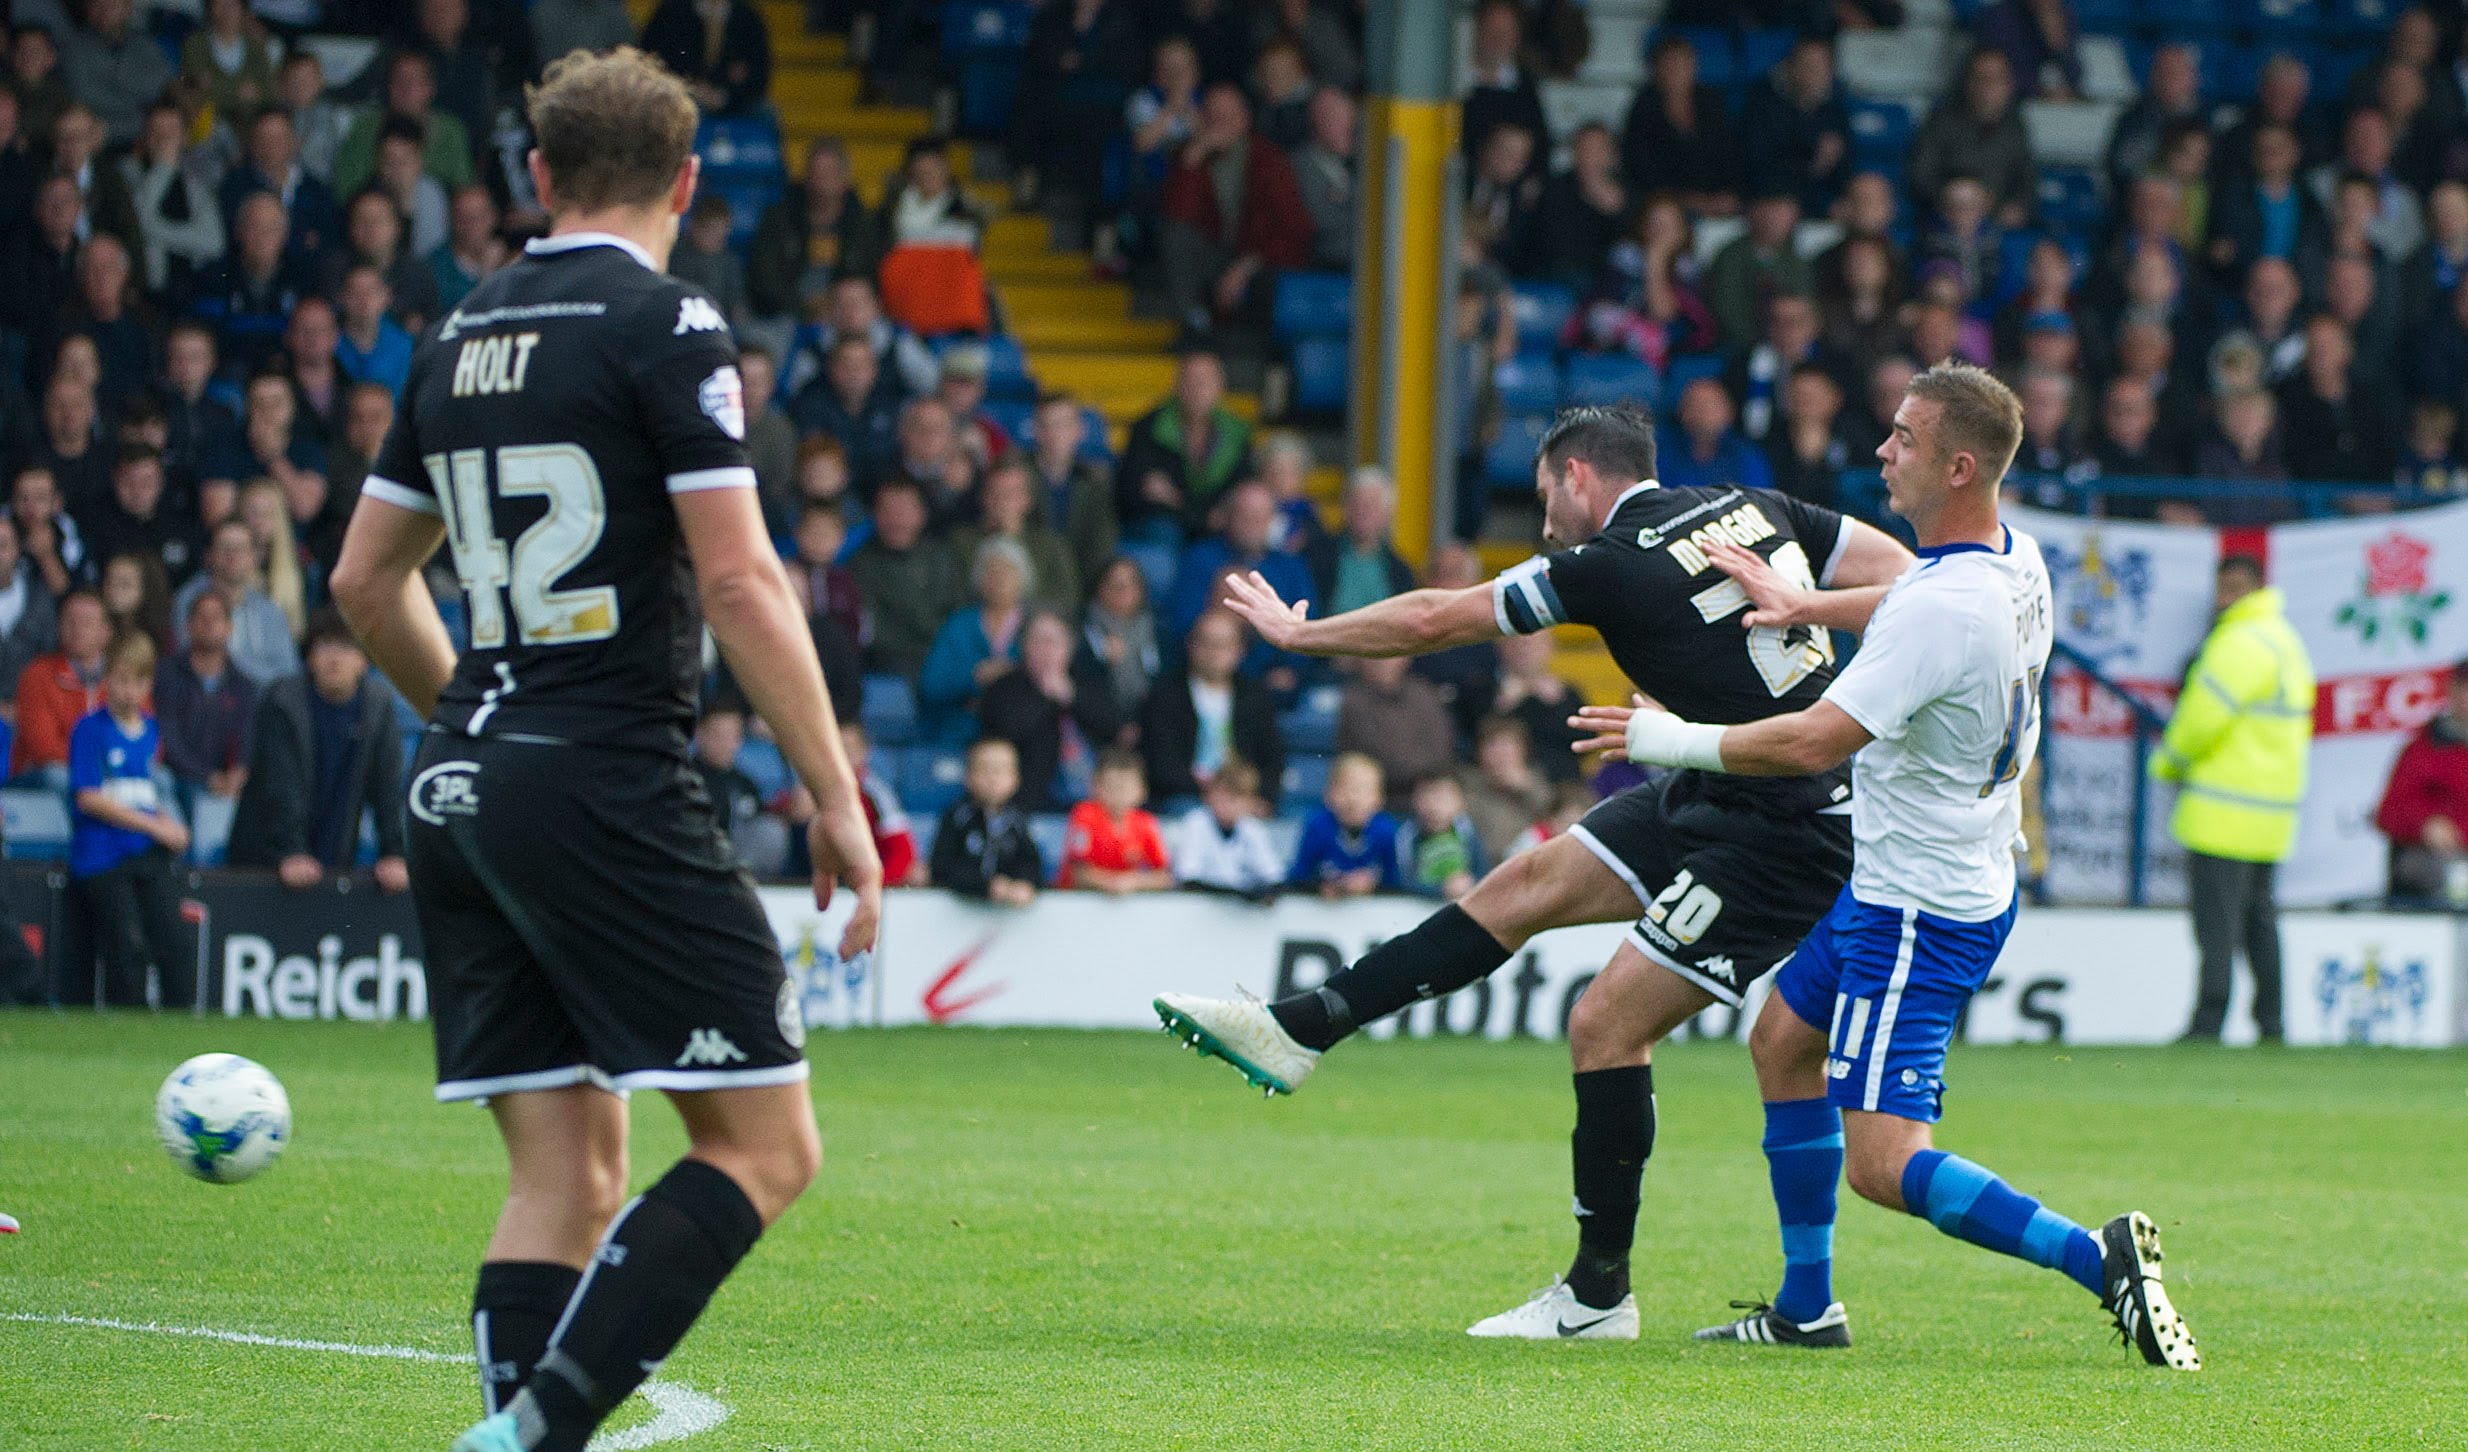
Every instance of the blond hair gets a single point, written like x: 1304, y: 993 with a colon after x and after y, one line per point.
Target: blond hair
x: 1977, y: 415
x: 1356, y: 761
x: 613, y: 129
x: 284, y: 583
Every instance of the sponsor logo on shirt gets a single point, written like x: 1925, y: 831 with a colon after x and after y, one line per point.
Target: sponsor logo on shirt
x: 723, y: 398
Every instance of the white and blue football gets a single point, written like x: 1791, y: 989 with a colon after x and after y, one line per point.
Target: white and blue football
x: 223, y: 1118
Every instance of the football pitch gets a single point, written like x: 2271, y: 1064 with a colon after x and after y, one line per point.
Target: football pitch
x: 1043, y: 1240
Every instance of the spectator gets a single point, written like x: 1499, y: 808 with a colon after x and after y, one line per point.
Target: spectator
x: 1649, y: 299
x: 1111, y: 844
x: 961, y: 385
x: 311, y: 365
x: 2171, y: 93
x: 415, y: 194
x: 2424, y: 809
x: 271, y: 163
x: 371, y: 347
x: 1161, y: 117
x: 2429, y: 455
x: 721, y: 49
x: 927, y: 208
x: 1978, y: 133
x: 2051, y: 447
x: 1281, y: 86
x: 1705, y: 450
x: 822, y: 478
x: 1348, y: 846
x: 36, y: 77
x: 373, y: 227
x: 1074, y: 496
x: 1120, y: 633
x: 473, y: 247
x: 2335, y: 429
x: 1503, y: 201
x: 465, y: 64
x: 248, y: 296
x: 770, y: 439
x: 1082, y: 57
x: 1201, y: 715
x: 2272, y: 293
x: 2434, y: 271
x: 826, y: 588
x: 1005, y: 510
x: 1504, y: 795
x: 77, y: 147
x: 1439, y: 853
x: 123, y: 844
x: 1570, y: 801
x: 975, y: 646
x: 1467, y: 674
x: 1499, y: 90
x: 759, y: 840
x: 1325, y: 173
x: 114, y: 66
x: 2130, y: 444
x: 1218, y: 262
x: 1286, y: 463
x: 1242, y: 547
x: 704, y: 259
x: 559, y: 26
x: 228, y: 63
x: 58, y: 689
x: 1396, y: 719
x: 277, y: 440
x: 2039, y: 42
x: 29, y: 618
x: 894, y: 841
x: 2279, y: 100
x: 68, y: 449
x: 1797, y: 132
x: 2398, y: 221
x: 816, y: 233
x: 1757, y: 378
x: 135, y: 520
x: 1221, y: 845
x: 204, y: 439
x: 854, y: 310
x: 260, y: 641
x: 1057, y: 709
x: 1966, y: 237
x: 854, y: 404
x: 2354, y: 292
x: 1806, y: 449
x: 21, y: 166
x: 2265, y: 212
x: 931, y: 454
x: 2246, y: 444
x: 327, y: 751
x: 410, y: 95
x: 1759, y: 263
x: 2237, y: 748
x: 137, y: 597
x: 909, y: 582
x: 102, y: 310
x: 320, y: 122
x: 48, y: 535
x: 178, y: 228
x: 207, y: 708
x: 2185, y: 158
x: 982, y: 847
x: 1361, y: 566
x: 2421, y: 138
x: 1181, y: 456
x: 1678, y: 134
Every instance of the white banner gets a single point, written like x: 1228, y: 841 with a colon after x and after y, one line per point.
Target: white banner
x: 1083, y: 960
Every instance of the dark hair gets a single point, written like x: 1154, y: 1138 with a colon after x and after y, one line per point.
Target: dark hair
x: 1618, y: 440
x: 326, y: 627
x: 926, y: 146
x: 710, y: 205
x: 2246, y: 565
x: 402, y: 128
x: 1123, y: 758
x: 136, y: 453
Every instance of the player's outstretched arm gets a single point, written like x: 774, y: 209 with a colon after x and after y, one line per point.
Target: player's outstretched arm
x: 1801, y: 743
x: 753, y: 612
x: 378, y: 588
x: 1870, y: 560
x: 1413, y: 623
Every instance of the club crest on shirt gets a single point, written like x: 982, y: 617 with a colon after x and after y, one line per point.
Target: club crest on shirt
x: 723, y: 397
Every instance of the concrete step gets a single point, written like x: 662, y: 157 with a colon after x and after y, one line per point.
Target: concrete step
x: 1067, y: 334
x: 815, y: 84
x: 1013, y: 269
x: 852, y: 123
x: 1096, y: 301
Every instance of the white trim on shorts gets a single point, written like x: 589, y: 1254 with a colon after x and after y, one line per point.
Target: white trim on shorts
x: 691, y: 1079
x: 1611, y: 859
x: 1723, y: 992
x: 1887, y: 1011
x: 454, y: 1090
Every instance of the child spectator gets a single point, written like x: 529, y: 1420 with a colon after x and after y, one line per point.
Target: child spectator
x: 760, y: 839
x: 1349, y: 846
x: 982, y: 848
x: 703, y: 258
x: 1570, y: 801
x: 2427, y: 457
x: 1439, y: 850
x: 122, y: 844
x: 1113, y: 844
x: 893, y: 841
x: 1221, y: 845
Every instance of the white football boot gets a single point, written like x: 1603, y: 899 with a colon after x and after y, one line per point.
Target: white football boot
x: 1555, y: 1314
x: 1243, y: 1033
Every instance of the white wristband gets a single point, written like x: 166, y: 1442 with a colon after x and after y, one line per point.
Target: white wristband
x: 1658, y: 738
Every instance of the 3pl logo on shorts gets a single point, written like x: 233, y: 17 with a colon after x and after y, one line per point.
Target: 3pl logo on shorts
x: 448, y: 789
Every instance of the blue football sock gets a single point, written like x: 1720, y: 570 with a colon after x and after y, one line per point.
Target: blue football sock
x: 1968, y: 1203
x: 1803, y: 1157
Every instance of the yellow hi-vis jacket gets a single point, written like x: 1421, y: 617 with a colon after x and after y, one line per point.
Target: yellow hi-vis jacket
x: 2237, y: 744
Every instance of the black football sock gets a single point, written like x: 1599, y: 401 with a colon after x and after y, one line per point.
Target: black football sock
x: 657, y: 1268
x: 514, y: 1306
x: 1608, y: 1150
x: 1445, y: 953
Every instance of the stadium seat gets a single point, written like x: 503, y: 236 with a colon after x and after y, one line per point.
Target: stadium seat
x: 2360, y: 21
x: 1314, y: 305
x: 1320, y: 374
x: 1007, y: 375
x: 2070, y: 133
x: 1763, y: 49
x: 1527, y: 383
x: 739, y: 145
x: 2233, y: 72
x: 1718, y: 59
x: 2333, y: 67
x: 1608, y: 378
x: 2069, y: 199
x: 931, y: 778
x: 1012, y: 416
x: 989, y: 91
x: 1879, y: 130
x: 2106, y: 74
x: 974, y: 29
x: 890, y: 710
x: 763, y: 765
x: 1543, y: 311
x: 1312, y: 724
x: 2281, y: 21
x: 1895, y: 63
x: 747, y: 195
x: 2107, y: 17
x: 34, y: 823
x: 1685, y: 369
x: 1509, y: 462
x: 1050, y: 831
x: 1306, y: 781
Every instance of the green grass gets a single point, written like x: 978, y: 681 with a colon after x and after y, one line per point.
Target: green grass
x: 1043, y: 1240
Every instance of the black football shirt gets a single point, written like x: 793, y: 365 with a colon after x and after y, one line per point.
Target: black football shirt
x: 547, y: 421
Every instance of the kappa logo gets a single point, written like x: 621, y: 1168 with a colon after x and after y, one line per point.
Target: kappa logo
x: 1720, y: 966
x: 448, y: 789
x: 710, y: 1047
x: 697, y: 315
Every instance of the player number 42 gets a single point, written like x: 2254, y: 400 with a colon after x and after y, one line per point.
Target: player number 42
x: 493, y: 575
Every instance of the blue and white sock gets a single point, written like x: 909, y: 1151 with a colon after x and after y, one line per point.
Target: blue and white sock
x: 1968, y: 1203
x: 1803, y: 1157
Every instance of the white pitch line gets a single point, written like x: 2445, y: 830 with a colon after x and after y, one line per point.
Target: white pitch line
x: 679, y: 1410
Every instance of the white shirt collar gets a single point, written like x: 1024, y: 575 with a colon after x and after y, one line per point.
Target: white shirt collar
x: 1631, y: 492
x: 569, y: 241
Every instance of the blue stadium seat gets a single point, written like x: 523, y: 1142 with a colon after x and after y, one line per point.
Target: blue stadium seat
x: 1606, y: 378
x: 2069, y: 199
x: 1685, y: 369
x: 1049, y: 830
x: 976, y: 28
x: 1527, y: 383
x: 1509, y: 462
x: 1314, y: 304
x: 890, y: 710
x: 739, y: 145
x: 1007, y: 376
x: 1306, y: 781
x: 1320, y: 381
x: 2107, y: 17
x: 1763, y: 49
x: 34, y: 823
x: 1312, y: 724
x: 1718, y: 58
x: 2362, y: 21
x: 1012, y: 416
x: 763, y: 765
x: 2282, y: 20
x: 2333, y: 67
x: 931, y: 778
x: 1880, y: 132
x: 989, y: 91
x: 1543, y: 311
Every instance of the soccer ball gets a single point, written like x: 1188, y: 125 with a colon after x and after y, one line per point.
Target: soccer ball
x: 222, y: 1118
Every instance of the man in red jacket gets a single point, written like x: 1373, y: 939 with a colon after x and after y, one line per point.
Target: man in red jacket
x: 1232, y: 213
x: 2425, y: 808
x: 58, y: 690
